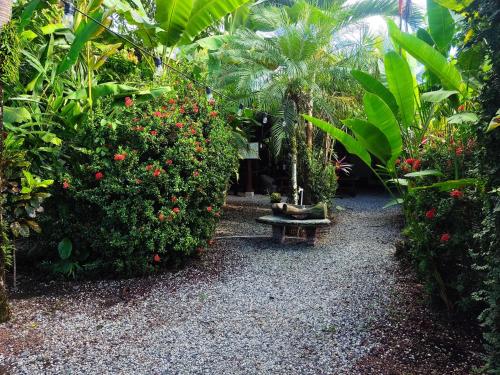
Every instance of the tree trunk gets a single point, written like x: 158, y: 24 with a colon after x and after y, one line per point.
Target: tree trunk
x: 294, y: 157
x: 5, y: 11
x: 309, y: 125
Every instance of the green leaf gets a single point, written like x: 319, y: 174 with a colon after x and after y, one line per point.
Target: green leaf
x: 494, y: 123
x: 400, y: 82
x: 27, y: 14
x: 437, y: 96
x: 374, y: 86
x: 450, y: 184
x: 456, y: 5
x: 422, y: 34
x: 51, y: 28
x: 441, y: 25
x: 65, y: 247
x: 352, y: 145
x: 431, y: 58
x: 206, y: 13
x: 463, y: 117
x: 173, y: 17
x: 13, y: 115
x: 394, y: 202
x: 427, y: 172
x: 83, y: 34
x: 371, y: 138
x: 380, y: 115
x: 212, y: 43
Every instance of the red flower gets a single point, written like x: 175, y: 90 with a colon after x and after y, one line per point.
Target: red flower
x: 193, y: 131
x: 153, y: 132
x: 211, y: 101
x: 455, y: 193
x: 459, y: 151
x: 176, y: 210
x: 424, y: 141
x: 180, y: 125
x: 156, y: 258
x: 161, y: 217
x: 66, y: 184
x: 409, y: 161
x: 416, y: 164
x: 196, y: 109
x: 169, y: 162
x: 171, y: 101
x: 209, y: 208
x: 149, y: 167
x: 99, y: 176
x: 157, y: 114
x: 128, y: 102
x: 461, y: 108
x: 213, y: 114
x: 217, y: 214
x: 445, y: 237
x: 157, y: 172
x: 431, y: 214
x: 182, y: 110
x: 173, y: 199
x: 138, y: 128
x: 196, y: 173
x: 199, y: 149
x: 119, y: 157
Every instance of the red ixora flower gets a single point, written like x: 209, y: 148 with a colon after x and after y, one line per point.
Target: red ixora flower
x: 169, y: 162
x: 213, y: 114
x: 209, y: 208
x: 99, y: 176
x: 455, y: 193
x: 138, y: 128
x: 157, y: 172
x: 193, y: 131
x: 161, y: 217
x: 156, y: 258
x: 180, y: 125
x: 211, y: 101
x: 199, y: 149
x: 157, y: 114
x: 196, y: 173
x: 196, y: 109
x: 119, y: 157
x: 445, y: 237
x: 66, y: 184
x: 459, y: 151
x: 410, y: 161
x: 171, y: 101
x: 173, y: 199
x: 416, y: 164
x: 182, y: 110
x: 128, y: 102
x: 149, y: 167
x: 153, y: 132
x: 431, y: 214
x: 461, y: 108
x: 176, y: 210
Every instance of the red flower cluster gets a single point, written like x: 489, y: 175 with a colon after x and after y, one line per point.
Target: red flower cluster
x: 161, y: 217
x: 119, y: 157
x: 157, y: 172
x: 179, y: 125
x: 196, y: 173
x: 99, y: 176
x: 156, y: 258
x: 211, y: 101
x: 66, y: 184
x: 213, y: 114
x: 149, y: 167
x: 176, y: 210
x: 209, y: 208
x: 173, y: 199
x: 431, y: 214
x: 171, y: 101
x: 413, y: 163
x: 157, y: 114
x: 455, y: 193
x: 153, y: 133
x: 445, y: 237
x: 128, y: 102
x: 138, y: 128
x: 169, y: 162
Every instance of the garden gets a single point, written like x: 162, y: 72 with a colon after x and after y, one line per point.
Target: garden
x: 250, y: 187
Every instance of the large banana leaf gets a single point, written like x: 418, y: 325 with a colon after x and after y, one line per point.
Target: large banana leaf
x: 173, y: 17
x: 431, y: 58
x: 371, y: 138
x: 380, y: 115
x: 351, y: 145
x: 441, y: 25
x: 400, y: 82
x: 374, y: 86
x: 205, y: 13
x: 456, y: 5
x: 85, y: 31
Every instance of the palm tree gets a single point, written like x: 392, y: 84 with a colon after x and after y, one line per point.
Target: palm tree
x: 5, y: 14
x: 284, y: 61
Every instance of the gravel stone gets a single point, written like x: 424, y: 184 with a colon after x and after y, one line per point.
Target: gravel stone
x: 248, y: 306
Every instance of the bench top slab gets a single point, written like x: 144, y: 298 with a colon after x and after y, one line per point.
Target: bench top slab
x: 280, y: 220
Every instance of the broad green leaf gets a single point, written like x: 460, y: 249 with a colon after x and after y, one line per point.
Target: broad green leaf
x: 85, y: 31
x: 400, y: 82
x: 104, y: 89
x: 494, y: 123
x: 456, y: 5
x: 371, y: 138
x: 352, y: 145
x: 463, y: 117
x: 427, y: 172
x: 394, y: 202
x: 450, y: 184
x: 431, y: 58
x: 27, y: 13
x: 212, y: 43
x: 399, y: 181
x: 65, y: 247
x: 441, y: 25
x: 28, y: 35
x: 437, y: 96
x: 173, y: 17
x: 13, y: 115
x: 51, y: 28
x: 206, y: 13
x: 422, y: 34
x: 380, y: 115
x: 374, y: 86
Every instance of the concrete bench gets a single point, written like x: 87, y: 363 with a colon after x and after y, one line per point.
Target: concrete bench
x: 280, y: 223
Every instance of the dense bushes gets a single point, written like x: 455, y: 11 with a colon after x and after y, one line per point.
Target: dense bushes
x: 144, y: 187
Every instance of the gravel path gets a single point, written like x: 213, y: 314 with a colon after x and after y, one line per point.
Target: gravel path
x: 247, y: 306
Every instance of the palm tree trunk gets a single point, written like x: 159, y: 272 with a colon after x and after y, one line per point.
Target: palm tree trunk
x: 309, y: 125
x: 294, y: 157
x: 5, y: 14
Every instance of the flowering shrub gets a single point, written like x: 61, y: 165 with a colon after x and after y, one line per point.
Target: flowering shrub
x: 148, y: 186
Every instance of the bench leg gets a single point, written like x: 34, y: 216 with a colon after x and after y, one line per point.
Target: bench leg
x: 279, y: 233
x: 311, y: 235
